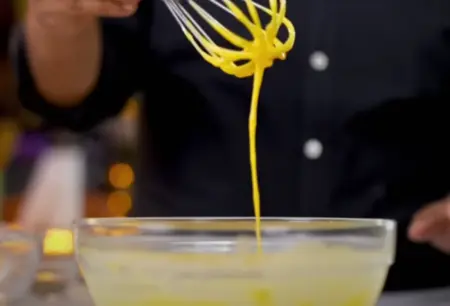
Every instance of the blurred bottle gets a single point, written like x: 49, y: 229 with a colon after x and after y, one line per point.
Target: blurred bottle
x: 53, y: 200
x: 55, y: 194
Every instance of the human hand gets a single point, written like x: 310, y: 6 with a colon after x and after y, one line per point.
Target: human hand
x: 432, y: 225
x: 97, y: 8
x: 62, y: 13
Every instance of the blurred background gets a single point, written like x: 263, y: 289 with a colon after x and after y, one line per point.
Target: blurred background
x: 105, y: 155
x: 109, y: 150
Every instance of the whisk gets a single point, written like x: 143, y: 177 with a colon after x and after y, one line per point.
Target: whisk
x: 250, y: 58
x: 261, y: 51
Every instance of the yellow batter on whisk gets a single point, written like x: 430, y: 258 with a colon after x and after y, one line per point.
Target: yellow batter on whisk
x: 257, y: 54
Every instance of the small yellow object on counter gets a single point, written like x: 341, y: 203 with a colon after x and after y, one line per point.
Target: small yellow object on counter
x: 46, y: 277
x: 58, y: 242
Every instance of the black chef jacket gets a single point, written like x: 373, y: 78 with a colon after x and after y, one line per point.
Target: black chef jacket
x: 353, y: 124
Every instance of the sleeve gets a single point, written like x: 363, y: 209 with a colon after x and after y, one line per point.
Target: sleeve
x: 119, y: 79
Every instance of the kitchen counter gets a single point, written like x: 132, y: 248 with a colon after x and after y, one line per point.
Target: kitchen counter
x: 76, y: 294
x: 58, y: 284
x: 72, y: 294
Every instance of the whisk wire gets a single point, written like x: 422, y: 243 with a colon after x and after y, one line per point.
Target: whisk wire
x: 233, y: 38
x: 253, y: 13
x: 191, y: 29
x: 230, y: 60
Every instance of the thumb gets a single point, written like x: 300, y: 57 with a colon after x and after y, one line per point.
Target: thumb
x: 430, y: 221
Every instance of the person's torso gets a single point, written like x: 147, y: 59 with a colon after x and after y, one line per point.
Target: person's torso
x: 352, y: 124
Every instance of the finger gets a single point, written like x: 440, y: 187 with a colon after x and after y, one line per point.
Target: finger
x: 101, y: 8
x: 107, y: 8
x: 429, y: 221
x: 428, y: 232
x: 441, y: 241
x: 50, y: 6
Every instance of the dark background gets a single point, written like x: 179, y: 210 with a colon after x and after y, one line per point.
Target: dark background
x: 6, y: 79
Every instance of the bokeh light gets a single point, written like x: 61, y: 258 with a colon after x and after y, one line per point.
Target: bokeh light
x: 119, y: 203
x: 131, y: 110
x: 121, y: 176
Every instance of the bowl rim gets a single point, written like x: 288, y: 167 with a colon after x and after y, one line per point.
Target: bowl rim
x: 357, y: 232
x: 389, y: 225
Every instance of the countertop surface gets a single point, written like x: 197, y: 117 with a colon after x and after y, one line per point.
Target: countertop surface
x: 72, y: 294
x: 65, y: 286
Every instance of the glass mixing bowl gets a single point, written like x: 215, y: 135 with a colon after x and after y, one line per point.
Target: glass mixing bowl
x: 216, y: 262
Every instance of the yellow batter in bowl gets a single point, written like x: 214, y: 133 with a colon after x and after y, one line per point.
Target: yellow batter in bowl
x: 216, y: 262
